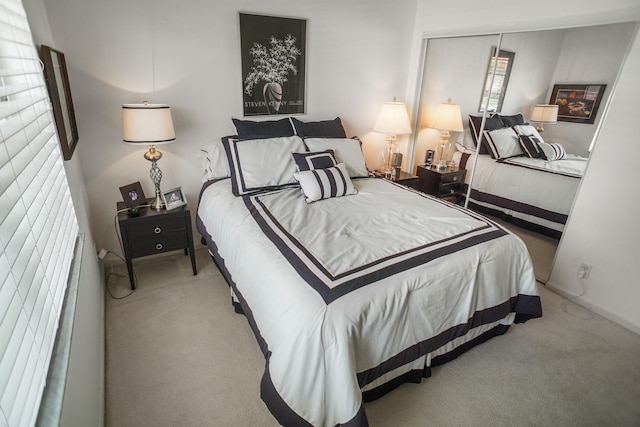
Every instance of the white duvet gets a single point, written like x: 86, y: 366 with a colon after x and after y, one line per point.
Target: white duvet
x: 346, y: 293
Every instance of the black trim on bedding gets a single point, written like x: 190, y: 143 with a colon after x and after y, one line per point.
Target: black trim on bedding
x: 330, y: 294
x: 507, y: 162
x: 516, y: 221
x: 519, y: 206
x: 268, y: 393
x: 525, y: 306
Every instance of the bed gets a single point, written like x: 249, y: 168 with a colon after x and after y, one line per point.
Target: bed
x: 520, y: 177
x: 352, y: 284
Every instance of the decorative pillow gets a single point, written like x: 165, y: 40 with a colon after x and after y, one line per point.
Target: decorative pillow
x: 261, y: 164
x: 503, y: 143
x: 214, y: 161
x: 322, y: 129
x: 346, y: 150
x: 531, y: 146
x: 491, y: 123
x: 309, y: 161
x: 516, y: 119
x: 281, y: 127
x: 552, y: 151
x: 528, y: 130
x: 320, y: 184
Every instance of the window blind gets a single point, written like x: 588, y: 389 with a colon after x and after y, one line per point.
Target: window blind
x: 38, y: 226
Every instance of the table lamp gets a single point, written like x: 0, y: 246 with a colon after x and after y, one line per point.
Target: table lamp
x: 393, y: 120
x: 544, y: 114
x: 447, y: 119
x: 149, y: 124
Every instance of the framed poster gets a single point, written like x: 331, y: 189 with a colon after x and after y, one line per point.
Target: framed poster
x: 55, y: 72
x: 273, y: 64
x: 577, y: 103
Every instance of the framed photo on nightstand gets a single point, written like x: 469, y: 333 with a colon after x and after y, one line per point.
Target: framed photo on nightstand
x: 174, y: 198
x: 133, y: 195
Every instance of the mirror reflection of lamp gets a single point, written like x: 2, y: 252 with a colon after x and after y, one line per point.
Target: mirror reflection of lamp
x: 149, y: 124
x: 393, y: 120
x: 544, y: 114
x: 447, y: 119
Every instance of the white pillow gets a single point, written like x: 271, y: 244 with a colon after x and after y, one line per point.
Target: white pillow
x: 346, y: 150
x: 503, y: 143
x: 318, y: 184
x: 261, y: 164
x: 214, y: 161
x: 528, y: 130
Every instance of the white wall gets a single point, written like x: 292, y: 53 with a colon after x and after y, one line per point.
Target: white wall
x: 356, y: 60
x: 605, y: 233
x: 83, y: 403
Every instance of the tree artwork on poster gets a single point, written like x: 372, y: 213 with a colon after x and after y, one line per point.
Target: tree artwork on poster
x: 273, y: 64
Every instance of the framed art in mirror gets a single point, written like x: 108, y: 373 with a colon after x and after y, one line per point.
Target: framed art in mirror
x: 55, y: 73
x: 577, y: 103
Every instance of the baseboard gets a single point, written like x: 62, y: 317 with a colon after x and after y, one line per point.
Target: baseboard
x: 600, y: 311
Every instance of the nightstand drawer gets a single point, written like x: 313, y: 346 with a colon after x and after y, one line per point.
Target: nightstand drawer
x: 155, y: 245
x: 158, y: 227
x: 453, y: 177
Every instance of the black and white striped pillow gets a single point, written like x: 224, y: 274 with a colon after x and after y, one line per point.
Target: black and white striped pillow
x: 531, y: 145
x: 553, y: 151
x: 318, y: 184
x: 316, y: 160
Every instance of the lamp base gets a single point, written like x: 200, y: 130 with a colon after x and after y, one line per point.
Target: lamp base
x: 158, y: 203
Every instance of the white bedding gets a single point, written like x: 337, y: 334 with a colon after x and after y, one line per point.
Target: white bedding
x: 537, y: 191
x: 348, y: 293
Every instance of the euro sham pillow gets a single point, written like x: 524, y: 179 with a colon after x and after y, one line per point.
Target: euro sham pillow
x: 280, y: 127
x: 318, y: 184
x: 513, y: 120
x: 261, y: 164
x: 503, y: 143
x: 309, y: 161
x: 213, y: 160
x: 320, y: 129
x: 346, y: 150
x: 491, y: 123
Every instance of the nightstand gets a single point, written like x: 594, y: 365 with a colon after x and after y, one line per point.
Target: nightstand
x: 446, y: 184
x: 404, y: 178
x: 155, y: 232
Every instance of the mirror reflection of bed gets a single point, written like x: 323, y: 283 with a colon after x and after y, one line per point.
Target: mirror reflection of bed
x: 534, y: 204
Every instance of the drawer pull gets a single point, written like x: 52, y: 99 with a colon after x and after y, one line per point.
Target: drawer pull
x: 455, y: 178
x: 159, y: 246
x: 157, y: 230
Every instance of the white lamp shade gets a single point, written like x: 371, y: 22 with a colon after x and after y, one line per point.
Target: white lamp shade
x: 149, y: 124
x: 544, y: 113
x: 393, y: 119
x: 448, y: 117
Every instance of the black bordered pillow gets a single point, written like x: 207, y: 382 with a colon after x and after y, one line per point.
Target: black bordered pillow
x: 281, y: 127
x: 326, y: 183
x: 503, y: 143
x: 346, y: 150
x: 261, y: 164
x: 320, y: 129
x: 531, y: 145
x: 491, y: 123
x: 513, y: 120
x: 309, y: 161
x: 528, y: 130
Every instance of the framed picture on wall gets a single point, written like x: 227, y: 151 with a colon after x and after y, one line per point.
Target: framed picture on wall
x: 55, y: 73
x: 577, y: 103
x: 273, y: 64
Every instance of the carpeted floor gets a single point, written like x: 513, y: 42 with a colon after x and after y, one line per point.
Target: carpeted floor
x: 178, y: 355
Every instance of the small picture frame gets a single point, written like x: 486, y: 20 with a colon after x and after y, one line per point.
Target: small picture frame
x: 133, y: 195
x: 174, y: 198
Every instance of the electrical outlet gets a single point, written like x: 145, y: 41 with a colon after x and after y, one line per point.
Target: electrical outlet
x: 584, y: 270
x: 102, y: 253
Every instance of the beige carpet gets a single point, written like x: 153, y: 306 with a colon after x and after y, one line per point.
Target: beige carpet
x: 178, y: 355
